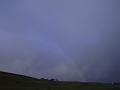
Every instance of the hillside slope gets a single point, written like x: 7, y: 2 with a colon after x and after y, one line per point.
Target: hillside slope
x: 9, y: 81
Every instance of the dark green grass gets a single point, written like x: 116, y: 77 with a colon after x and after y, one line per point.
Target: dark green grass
x: 9, y: 81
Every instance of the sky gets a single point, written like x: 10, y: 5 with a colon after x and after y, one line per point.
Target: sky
x: 71, y: 40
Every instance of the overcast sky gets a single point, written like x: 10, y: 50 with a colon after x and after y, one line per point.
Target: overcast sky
x: 63, y: 39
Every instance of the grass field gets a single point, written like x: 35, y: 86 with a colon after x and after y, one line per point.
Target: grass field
x: 9, y: 81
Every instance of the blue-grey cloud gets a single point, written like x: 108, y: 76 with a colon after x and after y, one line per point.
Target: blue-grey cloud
x: 66, y: 39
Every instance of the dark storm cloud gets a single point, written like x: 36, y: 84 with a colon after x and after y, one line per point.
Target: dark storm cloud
x: 66, y: 39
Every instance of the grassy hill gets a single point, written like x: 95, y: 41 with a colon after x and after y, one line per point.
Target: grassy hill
x: 10, y: 81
